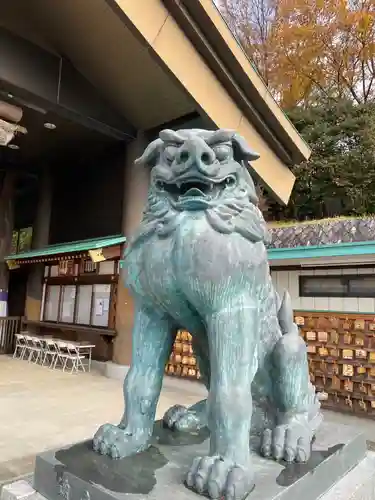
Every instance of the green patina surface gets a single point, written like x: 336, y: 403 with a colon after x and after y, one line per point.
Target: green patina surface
x: 74, y: 246
x: 198, y: 261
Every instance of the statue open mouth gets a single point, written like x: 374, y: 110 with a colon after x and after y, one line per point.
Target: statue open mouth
x: 195, y: 188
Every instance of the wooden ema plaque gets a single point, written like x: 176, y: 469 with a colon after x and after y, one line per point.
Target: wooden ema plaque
x: 341, y: 354
x: 182, y: 362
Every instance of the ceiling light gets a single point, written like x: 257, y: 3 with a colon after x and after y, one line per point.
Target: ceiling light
x: 50, y: 126
x: 13, y: 146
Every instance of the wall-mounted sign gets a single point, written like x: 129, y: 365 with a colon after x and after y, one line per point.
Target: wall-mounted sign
x: 66, y: 268
x: 97, y: 255
x: 89, y: 267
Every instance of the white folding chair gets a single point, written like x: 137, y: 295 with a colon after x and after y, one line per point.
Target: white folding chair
x: 35, y: 348
x: 68, y: 352
x: 75, y: 358
x: 39, y: 342
x: 20, y: 347
x: 61, y: 354
x: 50, y: 352
x: 29, y: 347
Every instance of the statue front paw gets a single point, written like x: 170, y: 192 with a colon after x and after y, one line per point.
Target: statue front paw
x: 183, y: 419
x: 118, y: 443
x: 289, y: 441
x: 217, y: 477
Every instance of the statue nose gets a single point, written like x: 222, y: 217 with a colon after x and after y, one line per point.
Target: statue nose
x: 199, y: 155
x: 196, y: 156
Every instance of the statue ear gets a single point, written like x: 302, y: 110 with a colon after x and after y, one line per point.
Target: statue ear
x: 150, y: 154
x: 242, y: 154
x: 241, y: 150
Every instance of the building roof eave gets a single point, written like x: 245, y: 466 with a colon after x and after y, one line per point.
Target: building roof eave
x: 350, y: 249
x: 60, y: 249
x: 243, y: 81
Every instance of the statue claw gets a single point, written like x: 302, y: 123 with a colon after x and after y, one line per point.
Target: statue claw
x: 289, y: 442
x: 183, y: 419
x: 217, y: 477
x: 173, y: 415
x: 117, y: 443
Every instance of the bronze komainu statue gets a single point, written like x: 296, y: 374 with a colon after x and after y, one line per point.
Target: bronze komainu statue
x: 199, y: 261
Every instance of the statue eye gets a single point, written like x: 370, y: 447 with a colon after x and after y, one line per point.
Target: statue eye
x: 170, y: 153
x: 223, y: 152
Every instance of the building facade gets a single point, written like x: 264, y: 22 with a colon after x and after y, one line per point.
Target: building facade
x: 89, y: 85
x: 329, y: 269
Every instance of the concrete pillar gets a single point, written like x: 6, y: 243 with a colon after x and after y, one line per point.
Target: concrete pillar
x: 7, y: 185
x: 136, y: 182
x: 41, y: 228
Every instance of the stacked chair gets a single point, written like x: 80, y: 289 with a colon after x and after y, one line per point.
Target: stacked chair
x: 53, y: 353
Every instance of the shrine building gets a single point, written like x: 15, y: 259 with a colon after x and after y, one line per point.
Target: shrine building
x: 84, y: 87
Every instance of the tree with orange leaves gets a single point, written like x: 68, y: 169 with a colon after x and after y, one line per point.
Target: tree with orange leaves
x: 252, y: 22
x: 309, y: 49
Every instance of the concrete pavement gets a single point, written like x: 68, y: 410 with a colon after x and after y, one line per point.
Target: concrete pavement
x: 42, y: 409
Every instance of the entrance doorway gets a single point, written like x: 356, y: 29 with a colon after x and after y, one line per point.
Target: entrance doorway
x: 17, y: 292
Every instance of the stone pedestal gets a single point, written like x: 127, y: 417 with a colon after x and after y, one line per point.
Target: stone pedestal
x: 77, y: 473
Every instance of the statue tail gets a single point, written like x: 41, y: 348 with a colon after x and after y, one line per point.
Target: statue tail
x: 288, y: 327
x: 285, y: 314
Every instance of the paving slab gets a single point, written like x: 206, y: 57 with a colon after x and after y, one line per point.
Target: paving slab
x: 43, y: 409
x: 358, y: 484
x: 63, y: 409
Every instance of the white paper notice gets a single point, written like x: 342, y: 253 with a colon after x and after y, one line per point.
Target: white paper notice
x: 99, y: 307
x: 105, y: 305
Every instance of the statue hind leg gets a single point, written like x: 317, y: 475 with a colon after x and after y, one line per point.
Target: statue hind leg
x: 298, y: 408
x: 194, y: 418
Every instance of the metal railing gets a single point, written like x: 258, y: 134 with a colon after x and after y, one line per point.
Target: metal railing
x: 9, y: 327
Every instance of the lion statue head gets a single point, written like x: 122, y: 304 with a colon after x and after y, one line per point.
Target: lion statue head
x: 201, y: 171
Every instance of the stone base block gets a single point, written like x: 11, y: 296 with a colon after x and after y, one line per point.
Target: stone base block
x: 20, y: 490
x: 358, y: 484
x: 77, y: 473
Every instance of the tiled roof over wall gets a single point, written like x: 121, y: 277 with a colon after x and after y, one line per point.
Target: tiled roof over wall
x: 324, y: 232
